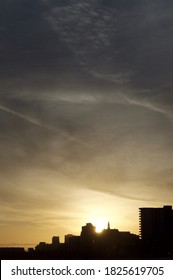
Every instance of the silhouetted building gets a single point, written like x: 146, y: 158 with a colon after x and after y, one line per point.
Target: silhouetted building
x: 42, y: 246
x: 7, y: 253
x: 87, y: 240
x: 118, y: 244
x: 156, y: 230
x: 74, y: 245
x: 156, y: 223
x: 67, y: 238
x: 88, y: 231
x: 55, y: 240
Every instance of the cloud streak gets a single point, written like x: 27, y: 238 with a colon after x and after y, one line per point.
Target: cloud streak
x: 149, y: 105
x: 42, y: 125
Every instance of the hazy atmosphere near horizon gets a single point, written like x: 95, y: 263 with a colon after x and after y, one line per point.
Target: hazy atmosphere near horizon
x: 86, y: 114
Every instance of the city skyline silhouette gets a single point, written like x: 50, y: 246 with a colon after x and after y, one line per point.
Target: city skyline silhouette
x: 155, y: 241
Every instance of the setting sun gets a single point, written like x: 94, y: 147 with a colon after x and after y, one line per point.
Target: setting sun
x: 100, y: 225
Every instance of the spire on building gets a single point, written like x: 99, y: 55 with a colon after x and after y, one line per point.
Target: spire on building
x: 108, y: 225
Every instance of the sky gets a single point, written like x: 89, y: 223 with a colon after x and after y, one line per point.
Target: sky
x: 86, y: 115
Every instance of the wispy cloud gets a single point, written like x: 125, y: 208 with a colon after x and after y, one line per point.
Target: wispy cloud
x: 42, y: 125
x: 151, y: 106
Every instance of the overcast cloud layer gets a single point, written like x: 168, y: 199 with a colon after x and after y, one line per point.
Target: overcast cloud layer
x: 86, y: 104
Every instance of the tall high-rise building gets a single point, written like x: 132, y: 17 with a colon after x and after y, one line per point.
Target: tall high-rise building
x: 156, y: 224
